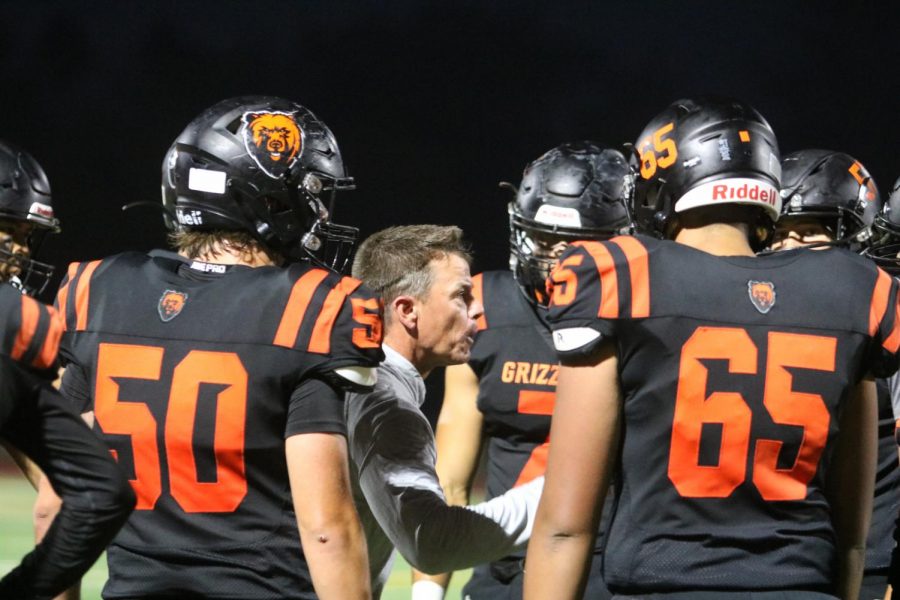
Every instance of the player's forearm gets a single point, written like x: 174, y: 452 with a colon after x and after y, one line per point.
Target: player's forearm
x: 337, y: 558
x: 851, y: 486
x: 79, y: 533
x: 28, y: 467
x: 45, y: 509
x: 851, y: 568
x: 555, y: 565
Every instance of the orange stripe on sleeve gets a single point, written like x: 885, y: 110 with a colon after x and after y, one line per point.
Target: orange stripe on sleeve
x: 609, y: 282
x: 63, y: 295
x: 83, y: 295
x: 639, y: 272
x: 320, y: 342
x: 30, y: 316
x: 298, y: 302
x: 47, y: 356
x: 892, y: 341
x: 878, y: 305
x: 478, y: 293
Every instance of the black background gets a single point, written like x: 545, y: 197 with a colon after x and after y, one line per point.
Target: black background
x: 433, y: 103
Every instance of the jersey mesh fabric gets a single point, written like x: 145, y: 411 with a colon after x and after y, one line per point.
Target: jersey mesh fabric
x: 516, y: 365
x: 721, y: 483
x: 195, y: 384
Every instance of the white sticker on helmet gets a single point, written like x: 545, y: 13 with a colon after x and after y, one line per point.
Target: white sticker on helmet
x: 40, y: 209
x: 558, y: 215
x: 204, y: 180
x: 572, y: 338
x: 736, y: 190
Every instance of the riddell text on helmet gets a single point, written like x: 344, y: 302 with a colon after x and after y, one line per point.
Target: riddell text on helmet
x: 747, y: 191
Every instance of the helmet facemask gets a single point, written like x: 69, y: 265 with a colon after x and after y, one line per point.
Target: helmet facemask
x: 884, y: 245
x: 18, y: 268
x: 884, y: 248
x: 533, y: 253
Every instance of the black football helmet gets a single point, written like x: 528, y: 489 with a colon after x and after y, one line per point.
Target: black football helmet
x: 24, y: 198
x: 833, y: 188
x: 884, y: 246
x: 707, y: 151
x: 575, y: 191
x: 262, y: 165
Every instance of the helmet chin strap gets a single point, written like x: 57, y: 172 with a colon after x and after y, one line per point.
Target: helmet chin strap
x: 165, y: 209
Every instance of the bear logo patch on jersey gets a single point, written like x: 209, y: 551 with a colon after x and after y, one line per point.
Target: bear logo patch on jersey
x: 762, y: 295
x: 273, y: 140
x: 170, y: 304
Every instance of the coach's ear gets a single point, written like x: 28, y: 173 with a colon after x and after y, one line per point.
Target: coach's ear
x: 403, y: 310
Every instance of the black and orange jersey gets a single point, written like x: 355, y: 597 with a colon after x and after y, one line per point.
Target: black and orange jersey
x: 30, y: 333
x: 194, y: 373
x: 36, y: 421
x: 733, y: 371
x: 516, y: 365
x: 886, y: 502
x: 96, y: 498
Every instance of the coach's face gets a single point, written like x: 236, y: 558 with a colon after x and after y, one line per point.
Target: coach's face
x: 447, y: 314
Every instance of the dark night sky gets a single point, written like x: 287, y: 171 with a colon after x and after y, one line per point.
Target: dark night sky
x: 432, y: 103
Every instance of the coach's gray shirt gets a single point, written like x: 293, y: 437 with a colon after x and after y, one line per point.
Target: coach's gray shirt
x: 396, y: 488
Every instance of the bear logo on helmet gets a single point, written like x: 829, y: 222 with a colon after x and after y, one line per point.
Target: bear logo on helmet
x: 273, y: 139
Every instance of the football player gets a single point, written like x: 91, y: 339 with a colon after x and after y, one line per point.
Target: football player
x: 422, y: 273
x: 732, y: 392
x: 216, y: 374
x: 36, y: 424
x: 829, y: 198
x: 884, y: 249
x: 26, y: 217
x: 504, y: 394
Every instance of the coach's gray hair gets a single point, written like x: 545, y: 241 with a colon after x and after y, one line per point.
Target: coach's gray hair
x: 395, y: 261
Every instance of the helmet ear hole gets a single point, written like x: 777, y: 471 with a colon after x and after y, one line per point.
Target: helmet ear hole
x: 234, y: 126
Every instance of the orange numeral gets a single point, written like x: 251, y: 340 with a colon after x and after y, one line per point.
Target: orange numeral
x: 535, y: 403
x: 565, y: 281
x: 116, y: 416
x: 367, y: 312
x: 666, y: 148
x: 785, y: 406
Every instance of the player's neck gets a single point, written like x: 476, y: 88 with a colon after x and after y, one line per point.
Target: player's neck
x: 719, y: 239
x: 224, y: 254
